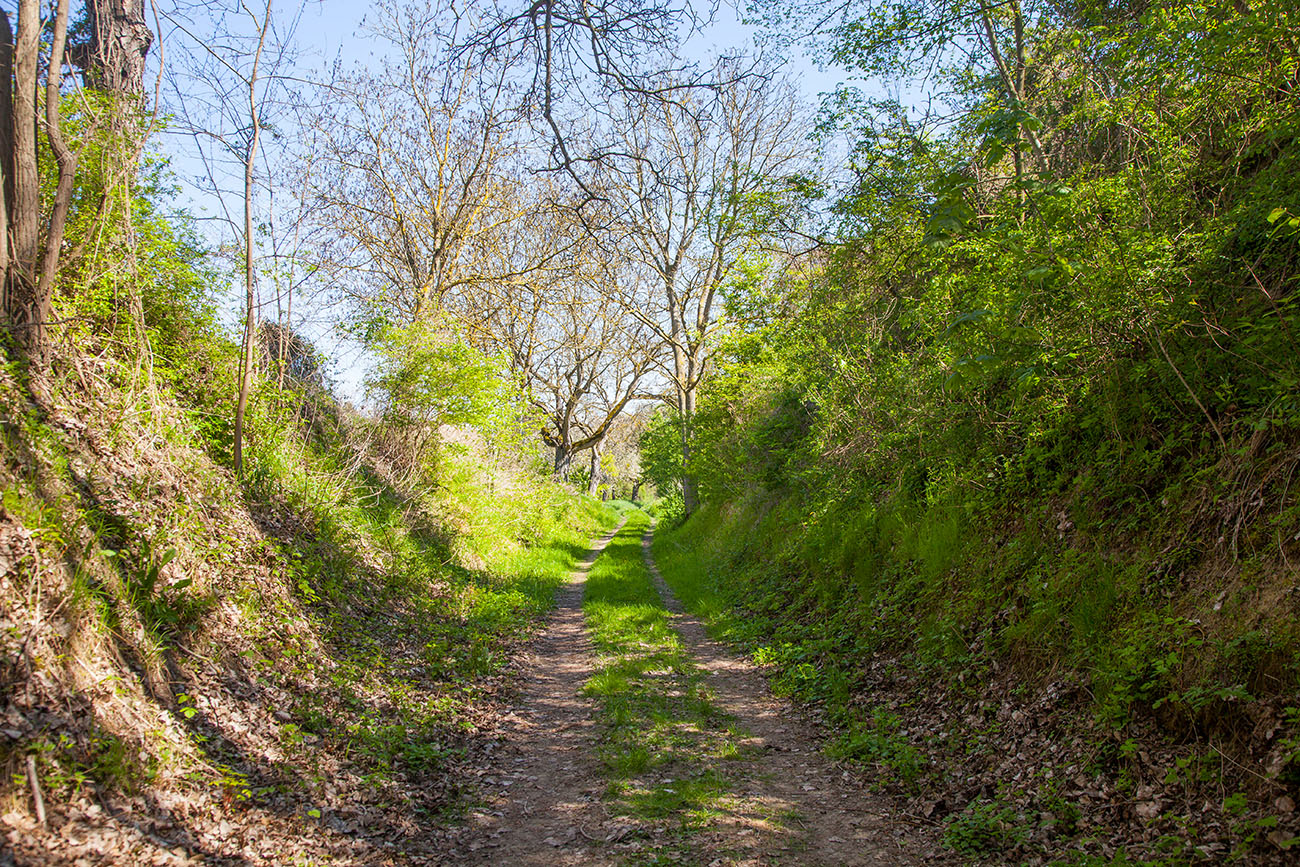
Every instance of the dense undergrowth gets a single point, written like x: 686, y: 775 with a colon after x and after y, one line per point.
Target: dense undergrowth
x: 1016, y: 758
x: 1025, y: 442
x: 319, y: 641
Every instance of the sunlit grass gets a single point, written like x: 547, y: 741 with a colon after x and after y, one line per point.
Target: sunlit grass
x: 665, y: 731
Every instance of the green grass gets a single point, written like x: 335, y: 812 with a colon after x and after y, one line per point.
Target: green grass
x: 379, y: 609
x: 687, y: 557
x: 412, y: 630
x: 811, y: 661
x: 667, y: 743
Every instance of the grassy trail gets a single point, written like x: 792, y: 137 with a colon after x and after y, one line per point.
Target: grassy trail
x: 701, y: 762
x: 667, y: 742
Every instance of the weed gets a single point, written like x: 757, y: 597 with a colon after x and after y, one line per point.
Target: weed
x: 877, y: 741
x: 66, y: 765
x: 983, y: 828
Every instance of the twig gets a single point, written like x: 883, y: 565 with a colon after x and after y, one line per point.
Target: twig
x: 1205, y: 412
x: 1230, y: 760
x: 35, y: 783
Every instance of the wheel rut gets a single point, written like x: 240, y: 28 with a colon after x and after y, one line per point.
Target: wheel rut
x: 834, y: 821
x: 541, y: 798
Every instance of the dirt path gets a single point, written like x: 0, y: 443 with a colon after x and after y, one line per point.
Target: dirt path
x: 542, y: 798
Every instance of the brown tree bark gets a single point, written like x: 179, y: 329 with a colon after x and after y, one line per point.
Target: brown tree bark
x: 25, y: 314
x: 6, y: 154
x: 120, y: 38
x: 64, y: 157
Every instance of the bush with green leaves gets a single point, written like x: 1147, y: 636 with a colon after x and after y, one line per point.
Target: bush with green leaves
x: 1038, y: 406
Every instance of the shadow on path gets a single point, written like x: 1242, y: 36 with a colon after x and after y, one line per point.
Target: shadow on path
x: 542, y: 798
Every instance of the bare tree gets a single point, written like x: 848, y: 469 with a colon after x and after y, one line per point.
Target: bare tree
x: 581, y: 358
x: 220, y: 92
x: 573, y: 58
x: 434, y: 216
x: 250, y: 274
x: 619, y: 462
x: 699, y: 183
x: 583, y: 371
x: 416, y: 181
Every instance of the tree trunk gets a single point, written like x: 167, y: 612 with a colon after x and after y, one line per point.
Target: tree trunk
x: 66, y: 160
x: 593, y: 480
x: 25, y: 311
x: 250, y: 275
x: 636, y: 488
x: 563, y: 459
x: 114, y: 58
x: 690, y: 494
x: 690, y: 485
x: 1014, y: 80
x: 6, y: 155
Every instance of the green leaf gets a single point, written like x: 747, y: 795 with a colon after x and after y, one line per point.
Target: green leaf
x: 1276, y: 214
x: 968, y: 317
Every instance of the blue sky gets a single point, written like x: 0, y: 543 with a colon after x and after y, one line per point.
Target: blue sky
x: 330, y: 30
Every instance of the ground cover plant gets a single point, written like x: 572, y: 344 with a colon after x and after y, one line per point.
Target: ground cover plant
x: 314, y: 641
x: 968, y: 403
x: 1015, y: 463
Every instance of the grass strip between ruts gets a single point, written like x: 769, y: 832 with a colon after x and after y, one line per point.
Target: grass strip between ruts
x: 666, y: 741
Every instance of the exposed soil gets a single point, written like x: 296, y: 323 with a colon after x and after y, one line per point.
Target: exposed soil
x: 543, y: 800
x: 541, y: 788
x: 542, y: 792
x: 835, y: 821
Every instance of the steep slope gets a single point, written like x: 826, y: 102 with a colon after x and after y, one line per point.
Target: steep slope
x: 294, y: 667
